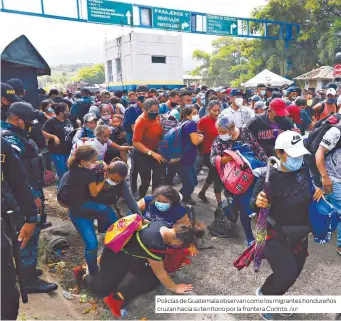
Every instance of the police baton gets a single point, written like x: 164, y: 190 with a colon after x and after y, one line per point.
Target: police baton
x: 17, y: 259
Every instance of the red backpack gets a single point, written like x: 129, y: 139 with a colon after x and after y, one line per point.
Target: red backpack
x: 236, y: 175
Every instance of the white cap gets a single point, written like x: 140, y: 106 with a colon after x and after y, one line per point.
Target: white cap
x: 331, y: 91
x: 292, y: 143
x: 201, y: 95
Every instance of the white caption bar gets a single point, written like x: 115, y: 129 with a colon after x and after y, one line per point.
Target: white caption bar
x: 247, y: 304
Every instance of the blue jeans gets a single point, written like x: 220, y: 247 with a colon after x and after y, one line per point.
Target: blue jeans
x: 187, y: 175
x: 335, y: 199
x: 242, y: 203
x: 60, y: 163
x: 85, y: 227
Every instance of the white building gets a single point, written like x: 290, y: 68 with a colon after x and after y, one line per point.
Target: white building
x: 141, y: 58
x: 317, y: 78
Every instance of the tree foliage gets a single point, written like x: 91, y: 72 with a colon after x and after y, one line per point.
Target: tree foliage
x: 234, y: 60
x: 91, y: 75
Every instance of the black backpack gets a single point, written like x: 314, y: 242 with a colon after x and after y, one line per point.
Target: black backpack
x: 69, y: 138
x: 315, y: 137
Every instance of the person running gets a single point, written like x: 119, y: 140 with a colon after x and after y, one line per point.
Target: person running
x: 206, y: 126
x: 266, y: 127
x: 147, y: 137
x: 290, y: 199
x: 238, y: 139
x: 185, y: 167
x: 59, y: 126
x: 145, y: 264
x: 78, y: 190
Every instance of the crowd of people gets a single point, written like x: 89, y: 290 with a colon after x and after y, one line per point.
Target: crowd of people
x: 107, y: 146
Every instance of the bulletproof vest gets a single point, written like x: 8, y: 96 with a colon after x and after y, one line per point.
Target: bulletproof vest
x: 31, y: 159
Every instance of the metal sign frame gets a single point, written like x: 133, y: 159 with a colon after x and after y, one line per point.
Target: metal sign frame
x: 246, y: 27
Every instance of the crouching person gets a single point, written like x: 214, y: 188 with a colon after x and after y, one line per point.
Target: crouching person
x: 78, y: 190
x: 142, y: 257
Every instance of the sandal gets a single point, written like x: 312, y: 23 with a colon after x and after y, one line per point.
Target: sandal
x: 203, y: 197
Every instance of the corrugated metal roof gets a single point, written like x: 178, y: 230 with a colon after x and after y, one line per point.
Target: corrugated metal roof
x: 324, y: 72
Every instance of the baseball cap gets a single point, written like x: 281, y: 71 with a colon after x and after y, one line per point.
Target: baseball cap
x: 9, y: 93
x: 276, y: 94
x: 260, y: 105
x: 142, y: 89
x: 295, y: 113
x: 17, y: 85
x: 89, y: 117
x: 236, y: 92
x: 292, y: 143
x: 201, y: 95
x: 279, y: 106
x: 24, y: 111
x: 293, y: 89
x: 331, y: 91
x: 255, y: 98
x: 220, y: 89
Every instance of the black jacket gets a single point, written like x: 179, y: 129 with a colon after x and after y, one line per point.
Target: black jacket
x: 261, y: 129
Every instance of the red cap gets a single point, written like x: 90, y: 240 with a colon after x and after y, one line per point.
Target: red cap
x: 279, y: 106
x: 228, y: 91
x: 295, y: 113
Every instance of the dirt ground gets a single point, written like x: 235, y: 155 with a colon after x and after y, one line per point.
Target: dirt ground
x: 211, y: 273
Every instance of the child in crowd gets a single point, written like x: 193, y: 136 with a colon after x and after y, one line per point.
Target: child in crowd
x: 106, y: 112
x: 87, y: 130
x: 101, y: 142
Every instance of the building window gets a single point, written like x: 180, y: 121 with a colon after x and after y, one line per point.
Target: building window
x: 158, y: 59
x: 109, y: 67
x: 118, y: 69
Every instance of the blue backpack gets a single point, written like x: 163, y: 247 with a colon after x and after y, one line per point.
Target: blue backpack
x: 171, y: 145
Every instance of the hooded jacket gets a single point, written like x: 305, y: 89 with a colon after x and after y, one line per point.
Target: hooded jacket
x: 263, y: 131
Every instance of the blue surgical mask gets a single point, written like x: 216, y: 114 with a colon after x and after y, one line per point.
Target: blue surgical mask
x: 331, y: 101
x: 293, y: 164
x: 194, y: 100
x: 162, y: 207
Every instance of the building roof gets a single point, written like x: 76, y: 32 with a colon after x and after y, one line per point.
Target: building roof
x: 267, y: 77
x: 21, y: 52
x: 324, y: 72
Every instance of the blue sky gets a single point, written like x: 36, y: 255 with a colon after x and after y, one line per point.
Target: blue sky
x: 75, y: 42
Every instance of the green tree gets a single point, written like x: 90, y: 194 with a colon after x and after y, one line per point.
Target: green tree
x: 91, y: 75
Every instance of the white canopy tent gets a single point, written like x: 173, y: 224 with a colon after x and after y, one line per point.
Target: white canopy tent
x: 268, y: 78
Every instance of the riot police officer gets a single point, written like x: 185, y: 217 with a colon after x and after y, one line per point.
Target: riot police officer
x: 16, y: 132
x: 14, y: 182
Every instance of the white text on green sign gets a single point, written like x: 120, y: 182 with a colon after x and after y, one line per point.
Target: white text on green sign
x: 221, y: 25
x: 171, y: 19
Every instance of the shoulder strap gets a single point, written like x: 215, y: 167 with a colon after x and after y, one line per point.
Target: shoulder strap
x: 322, y: 108
x: 239, y: 161
x: 158, y: 258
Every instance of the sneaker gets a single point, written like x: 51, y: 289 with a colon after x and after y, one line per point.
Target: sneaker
x: 265, y: 316
x: 40, y: 286
x: 189, y: 201
x: 114, y: 305
x: 338, y: 251
x: 249, y: 243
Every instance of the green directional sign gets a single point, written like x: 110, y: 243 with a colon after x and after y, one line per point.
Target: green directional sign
x: 170, y: 19
x: 116, y: 13
x: 221, y: 25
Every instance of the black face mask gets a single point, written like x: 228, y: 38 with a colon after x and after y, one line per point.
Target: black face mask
x: 152, y: 115
x: 174, y: 104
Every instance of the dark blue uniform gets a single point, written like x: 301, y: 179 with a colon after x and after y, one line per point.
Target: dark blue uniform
x: 13, y: 179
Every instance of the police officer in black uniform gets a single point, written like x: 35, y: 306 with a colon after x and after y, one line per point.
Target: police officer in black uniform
x: 13, y: 184
x: 16, y: 132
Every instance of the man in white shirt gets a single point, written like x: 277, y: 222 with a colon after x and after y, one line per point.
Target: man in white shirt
x: 238, y: 113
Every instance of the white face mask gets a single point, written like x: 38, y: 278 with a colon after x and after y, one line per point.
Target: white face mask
x: 110, y: 182
x: 225, y: 137
x: 106, y: 117
x: 262, y: 92
x: 239, y: 101
x: 195, y: 118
